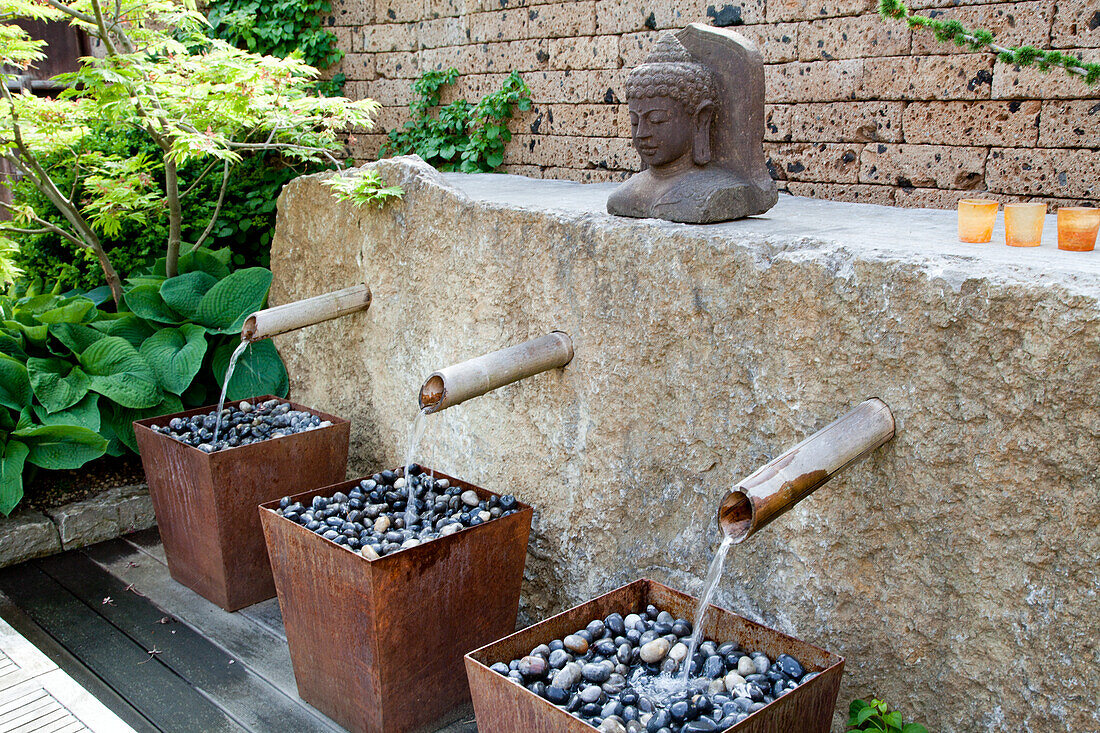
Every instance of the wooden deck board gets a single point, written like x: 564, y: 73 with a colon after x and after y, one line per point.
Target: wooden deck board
x: 218, y: 675
x: 152, y: 688
x: 257, y: 692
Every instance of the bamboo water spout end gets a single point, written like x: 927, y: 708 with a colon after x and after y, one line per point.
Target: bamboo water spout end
x: 783, y: 482
x: 299, y: 314
x: 457, y: 383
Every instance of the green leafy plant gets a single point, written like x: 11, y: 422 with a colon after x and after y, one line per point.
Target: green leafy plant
x: 362, y: 187
x: 75, y: 375
x: 460, y: 136
x: 245, y: 224
x: 983, y: 40
x: 280, y: 28
x: 877, y: 716
x: 9, y: 258
x: 198, y: 99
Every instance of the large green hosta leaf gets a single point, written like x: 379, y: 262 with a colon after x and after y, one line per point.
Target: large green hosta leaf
x: 75, y: 336
x: 120, y: 373
x: 183, y: 293
x: 127, y: 326
x: 11, y: 343
x: 58, y: 384
x: 84, y: 414
x: 176, y: 355
x: 15, y: 384
x: 35, y: 334
x: 145, y: 301
x: 12, y: 457
x: 259, y: 371
x: 119, y: 421
x: 71, y: 310
x: 224, y: 308
x: 59, y: 447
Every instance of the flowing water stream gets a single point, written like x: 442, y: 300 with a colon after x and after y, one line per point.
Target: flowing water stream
x: 664, y: 687
x: 714, y: 574
x: 420, y: 422
x: 225, y: 385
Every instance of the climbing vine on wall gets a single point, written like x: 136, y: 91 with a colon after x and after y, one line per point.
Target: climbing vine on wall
x: 460, y: 136
x: 983, y: 40
x: 280, y: 28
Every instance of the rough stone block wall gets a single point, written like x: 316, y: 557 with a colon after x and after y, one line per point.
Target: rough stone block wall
x: 858, y: 109
x: 955, y: 568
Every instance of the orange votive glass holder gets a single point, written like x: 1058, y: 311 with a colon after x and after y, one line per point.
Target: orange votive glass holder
x: 976, y: 217
x: 1077, y: 228
x: 1024, y: 224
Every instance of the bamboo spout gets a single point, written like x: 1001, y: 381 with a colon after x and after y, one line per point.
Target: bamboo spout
x: 292, y: 316
x: 777, y: 486
x: 458, y: 383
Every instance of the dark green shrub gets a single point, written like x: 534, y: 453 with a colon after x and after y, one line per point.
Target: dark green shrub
x: 245, y: 226
x: 280, y: 28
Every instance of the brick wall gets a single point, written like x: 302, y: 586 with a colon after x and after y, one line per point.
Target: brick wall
x: 857, y: 109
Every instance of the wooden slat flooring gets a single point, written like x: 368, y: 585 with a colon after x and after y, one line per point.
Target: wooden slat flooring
x: 211, y: 670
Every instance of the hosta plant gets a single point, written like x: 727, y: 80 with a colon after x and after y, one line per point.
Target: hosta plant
x: 74, y: 376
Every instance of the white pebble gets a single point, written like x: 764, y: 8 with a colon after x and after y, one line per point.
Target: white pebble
x: 732, y: 680
x: 745, y: 666
x: 655, y: 650
x: 382, y: 523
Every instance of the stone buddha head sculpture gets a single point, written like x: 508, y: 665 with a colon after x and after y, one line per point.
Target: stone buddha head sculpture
x: 675, y: 102
x: 672, y: 101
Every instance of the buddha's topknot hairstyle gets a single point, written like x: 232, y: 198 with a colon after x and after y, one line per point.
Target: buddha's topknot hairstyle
x: 669, y: 71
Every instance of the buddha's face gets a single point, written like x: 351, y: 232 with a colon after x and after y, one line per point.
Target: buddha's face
x: 662, y: 129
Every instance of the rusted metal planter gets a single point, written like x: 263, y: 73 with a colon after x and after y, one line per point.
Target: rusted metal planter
x: 206, y: 502
x: 502, y: 706
x: 377, y: 645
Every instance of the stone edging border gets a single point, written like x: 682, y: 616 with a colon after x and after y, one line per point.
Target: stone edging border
x: 30, y: 533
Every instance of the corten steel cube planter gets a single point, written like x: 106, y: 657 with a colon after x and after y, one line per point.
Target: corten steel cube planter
x: 377, y: 645
x: 502, y: 706
x: 206, y: 502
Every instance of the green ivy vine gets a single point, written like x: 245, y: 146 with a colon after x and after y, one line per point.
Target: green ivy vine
x: 982, y: 40
x: 280, y: 28
x: 460, y: 136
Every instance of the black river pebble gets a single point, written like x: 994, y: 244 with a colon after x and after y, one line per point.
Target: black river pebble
x: 371, y: 519
x: 607, y: 674
x: 241, y: 424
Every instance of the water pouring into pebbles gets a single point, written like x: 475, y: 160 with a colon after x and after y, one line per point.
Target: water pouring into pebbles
x: 225, y: 384
x: 416, y: 432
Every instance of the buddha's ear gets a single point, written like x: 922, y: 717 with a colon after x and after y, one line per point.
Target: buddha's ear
x: 700, y: 146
